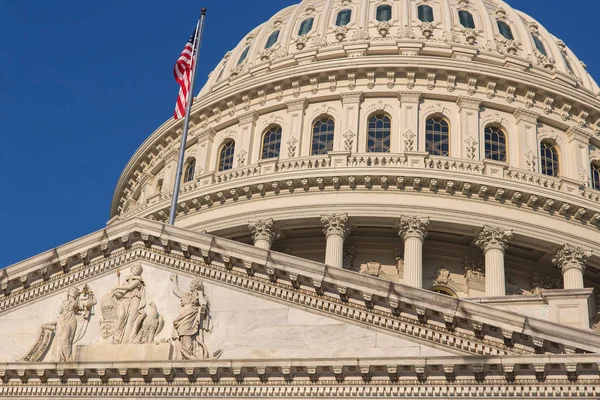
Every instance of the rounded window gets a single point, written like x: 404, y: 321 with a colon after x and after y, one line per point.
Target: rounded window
x: 379, y: 133
x: 226, y: 156
x: 322, y: 139
x: 505, y: 30
x: 595, y: 167
x: 306, y: 26
x: 495, y: 144
x: 549, y: 163
x: 190, y: 168
x: 437, y: 136
x: 539, y: 44
x: 466, y: 19
x: 244, y: 55
x: 271, y: 143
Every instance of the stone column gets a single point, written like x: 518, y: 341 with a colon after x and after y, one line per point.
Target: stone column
x: 337, y: 228
x: 413, y: 231
x: 572, y: 261
x: 493, y: 242
x: 264, y: 233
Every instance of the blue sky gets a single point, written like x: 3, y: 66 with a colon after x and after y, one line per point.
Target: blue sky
x: 83, y: 83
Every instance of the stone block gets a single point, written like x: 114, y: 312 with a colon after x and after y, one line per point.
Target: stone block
x: 124, y: 352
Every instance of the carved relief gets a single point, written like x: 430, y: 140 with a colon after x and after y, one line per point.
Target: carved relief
x: 409, y: 140
x: 349, y: 139
x: 193, y: 322
x: 348, y: 257
x: 292, y: 143
x: 493, y: 238
x: 413, y: 227
x: 571, y: 257
x: 336, y: 224
x: 544, y: 282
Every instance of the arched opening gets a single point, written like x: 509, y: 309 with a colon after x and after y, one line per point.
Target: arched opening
x: 379, y: 133
x: 243, y: 55
x: 549, y: 162
x: 384, y: 13
x: 595, y: 168
x: 189, y: 170
x: 343, y: 17
x: 437, y: 136
x: 495, y: 143
x: 466, y: 19
x: 226, y: 153
x: 271, y: 143
x: 273, y: 37
x: 425, y: 13
x: 306, y: 26
x: 505, y: 30
x: 322, y: 137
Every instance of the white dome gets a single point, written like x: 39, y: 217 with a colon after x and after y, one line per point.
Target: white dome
x: 364, y: 35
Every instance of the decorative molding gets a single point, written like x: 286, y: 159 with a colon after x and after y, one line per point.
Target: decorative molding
x: 413, y: 227
x: 494, y: 238
x: 265, y: 229
x: 570, y: 257
x: 336, y: 224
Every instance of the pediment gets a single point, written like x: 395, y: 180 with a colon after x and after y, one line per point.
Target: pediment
x: 262, y: 304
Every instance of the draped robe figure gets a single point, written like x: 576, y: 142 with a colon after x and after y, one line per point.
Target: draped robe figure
x: 131, y: 302
x: 192, y: 322
x: 73, y: 318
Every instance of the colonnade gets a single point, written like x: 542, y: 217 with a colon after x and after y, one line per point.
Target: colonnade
x: 413, y: 230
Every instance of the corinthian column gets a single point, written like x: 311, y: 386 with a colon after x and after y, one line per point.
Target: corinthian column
x: 572, y: 261
x: 413, y: 230
x: 336, y: 230
x: 493, y: 242
x: 264, y: 232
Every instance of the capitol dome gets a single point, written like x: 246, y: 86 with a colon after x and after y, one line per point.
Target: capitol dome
x: 450, y: 145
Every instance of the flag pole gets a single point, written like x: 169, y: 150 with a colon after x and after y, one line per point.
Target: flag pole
x: 186, y: 122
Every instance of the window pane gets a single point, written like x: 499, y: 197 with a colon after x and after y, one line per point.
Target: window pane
x: 549, y: 159
x: 384, y: 13
x: 226, y: 156
x: 466, y: 19
x: 306, y: 26
x: 425, y: 13
x: 505, y: 30
x: 272, y: 39
x: 322, y: 140
x: 379, y: 133
x: 539, y: 44
x: 271, y: 143
x: 495, y: 144
x: 437, y: 137
x: 596, y: 176
x: 190, y: 168
x: 343, y: 18
x: 244, y: 55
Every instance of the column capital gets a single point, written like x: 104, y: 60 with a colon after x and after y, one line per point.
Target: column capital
x: 351, y: 97
x: 579, y: 134
x: 493, y: 238
x: 406, y: 96
x: 523, y: 114
x: 297, y: 105
x: 248, y: 118
x: 265, y: 229
x: 471, y: 103
x: 571, y: 257
x: 336, y: 224
x: 413, y: 227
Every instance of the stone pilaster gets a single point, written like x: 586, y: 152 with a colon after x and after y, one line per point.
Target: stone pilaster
x: 493, y: 241
x: 526, y: 138
x: 348, y: 141
x: 336, y: 229
x: 264, y: 233
x: 290, y: 139
x: 409, y: 121
x: 572, y: 261
x: 413, y: 230
x: 578, y: 148
x: 468, y: 135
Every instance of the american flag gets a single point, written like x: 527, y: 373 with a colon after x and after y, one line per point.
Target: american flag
x: 183, y: 75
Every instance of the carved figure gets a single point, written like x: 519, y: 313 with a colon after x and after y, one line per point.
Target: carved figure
x: 130, y: 304
x: 192, y: 323
x: 151, y: 325
x: 73, y: 317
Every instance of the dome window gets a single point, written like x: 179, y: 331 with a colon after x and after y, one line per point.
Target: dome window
x: 273, y: 37
x: 189, y: 171
x: 226, y: 156
x: 495, y: 144
x: 425, y: 13
x: 539, y: 44
x: 596, y: 175
x: 549, y: 159
x: 306, y: 26
x: 568, y: 64
x: 437, y: 136
x: 271, y: 143
x: 505, y: 30
x: 466, y: 19
x: 243, y: 55
x: 343, y: 17
x: 384, y: 13
x: 322, y: 140
x: 379, y: 133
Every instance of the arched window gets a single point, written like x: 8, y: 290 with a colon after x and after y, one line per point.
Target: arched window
x: 159, y: 186
x: 437, y: 136
x: 188, y: 172
x: 306, y: 26
x: 539, y: 44
x: 271, y: 143
x: 384, y: 13
x: 425, y: 13
x: 322, y: 139
x: 379, y: 133
x: 596, y: 175
x: 466, y: 19
x: 495, y: 144
x: 505, y: 30
x: 273, y: 37
x: 343, y: 17
x: 226, y: 156
x: 549, y: 159
x: 243, y: 55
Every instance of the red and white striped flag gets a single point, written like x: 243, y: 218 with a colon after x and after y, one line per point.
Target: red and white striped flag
x: 183, y: 75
